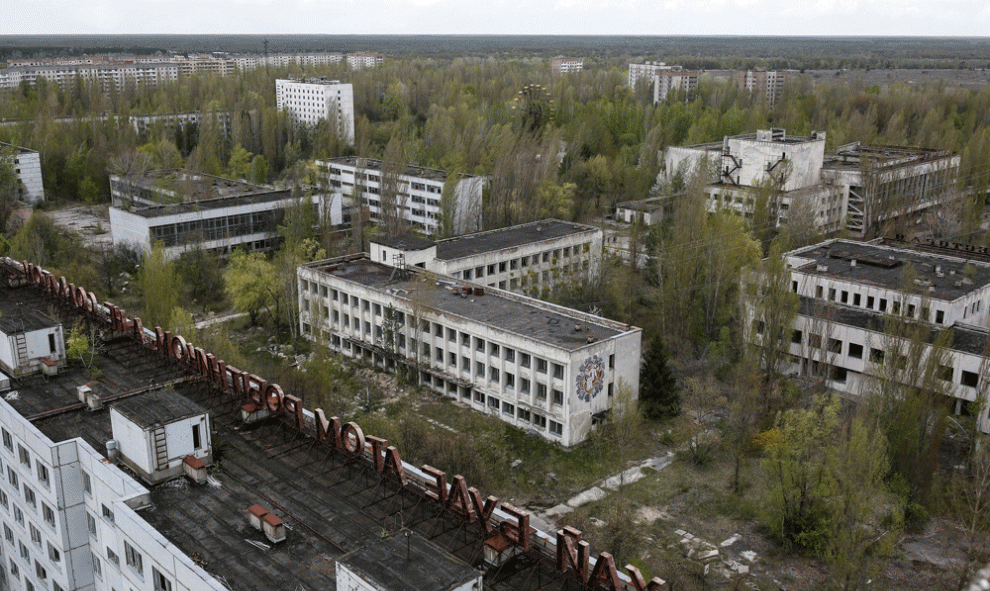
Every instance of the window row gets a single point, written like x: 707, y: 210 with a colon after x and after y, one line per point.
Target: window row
x: 41, y: 471
x: 880, y: 304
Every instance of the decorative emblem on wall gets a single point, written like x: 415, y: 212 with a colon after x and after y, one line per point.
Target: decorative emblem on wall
x: 591, y: 378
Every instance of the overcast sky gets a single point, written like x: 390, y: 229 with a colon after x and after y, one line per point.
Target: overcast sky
x: 553, y: 17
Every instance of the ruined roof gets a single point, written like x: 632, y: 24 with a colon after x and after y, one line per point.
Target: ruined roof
x: 940, y: 277
x: 158, y: 408
x: 506, y: 238
x: 403, y: 562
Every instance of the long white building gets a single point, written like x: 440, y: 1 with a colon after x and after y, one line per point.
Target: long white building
x: 418, y: 192
x: 849, y: 290
x: 181, y: 210
x: 532, y: 258
x: 310, y: 101
x: 535, y: 365
x: 27, y: 168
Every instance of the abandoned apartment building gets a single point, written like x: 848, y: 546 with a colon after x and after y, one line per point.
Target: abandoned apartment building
x: 849, y: 293
x: 169, y: 470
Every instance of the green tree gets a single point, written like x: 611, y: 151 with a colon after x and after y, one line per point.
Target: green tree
x: 659, y: 395
x: 159, y: 287
x: 201, y: 276
x: 251, y: 284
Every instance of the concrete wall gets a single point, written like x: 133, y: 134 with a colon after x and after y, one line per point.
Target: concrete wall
x: 804, y: 159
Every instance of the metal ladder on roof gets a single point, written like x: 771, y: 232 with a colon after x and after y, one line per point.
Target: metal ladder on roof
x: 161, y: 449
x: 22, y: 351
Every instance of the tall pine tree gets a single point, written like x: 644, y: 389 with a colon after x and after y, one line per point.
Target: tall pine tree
x: 659, y: 396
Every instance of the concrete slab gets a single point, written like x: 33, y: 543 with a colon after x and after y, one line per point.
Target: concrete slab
x: 558, y: 510
x: 589, y: 496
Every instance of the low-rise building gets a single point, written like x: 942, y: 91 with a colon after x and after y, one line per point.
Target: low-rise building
x: 310, y: 101
x: 27, y: 168
x: 853, y: 293
x: 531, y: 258
x: 30, y: 340
x: 180, y: 210
x: 418, y: 193
x: 649, y: 212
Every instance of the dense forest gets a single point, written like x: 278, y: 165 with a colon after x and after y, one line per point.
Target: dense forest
x: 569, y: 147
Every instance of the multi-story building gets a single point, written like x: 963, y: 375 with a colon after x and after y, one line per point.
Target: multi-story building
x: 27, y: 168
x: 418, y: 190
x: 646, y: 72
x: 859, y: 188
x: 668, y: 81
x: 566, y: 65
x: 252, y: 62
x: 531, y: 258
x: 535, y: 365
x: 360, y: 61
x: 765, y: 84
x: 310, y: 101
x: 851, y: 292
x: 180, y: 209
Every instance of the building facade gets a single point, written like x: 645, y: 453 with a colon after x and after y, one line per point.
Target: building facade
x: 765, y: 84
x: 645, y: 73
x: 854, y: 303
x: 419, y: 193
x: 361, y: 61
x: 537, y: 366
x: 310, y: 101
x: 667, y: 81
x: 561, y: 65
x: 27, y: 168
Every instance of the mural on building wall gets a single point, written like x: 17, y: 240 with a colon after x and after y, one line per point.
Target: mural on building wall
x: 590, y: 378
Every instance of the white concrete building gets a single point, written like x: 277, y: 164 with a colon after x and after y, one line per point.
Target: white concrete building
x: 848, y: 289
x: 531, y: 258
x: 859, y: 188
x: 566, y: 65
x: 310, y: 101
x: 181, y: 209
x: 70, y: 520
x: 644, y: 73
x: 537, y: 366
x: 360, y: 61
x: 418, y: 193
x: 30, y: 341
x: 27, y: 167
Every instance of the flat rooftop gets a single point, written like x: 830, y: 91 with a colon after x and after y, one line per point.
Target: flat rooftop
x: 525, y: 317
x: 506, y: 238
x: 190, y: 186
x: 883, y: 266
x: 320, y: 81
x: 433, y: 174
x: 19, y: 315
x: 405, y: 563
x: 263, y: 196
x: 323, y: 502
x: 159, y: 408
x: 850, y: 157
